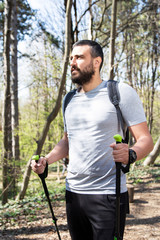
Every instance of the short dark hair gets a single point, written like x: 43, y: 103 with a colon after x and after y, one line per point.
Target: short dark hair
x: 96, y: 50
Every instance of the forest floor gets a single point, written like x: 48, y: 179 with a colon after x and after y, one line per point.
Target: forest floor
x: 143, y: 222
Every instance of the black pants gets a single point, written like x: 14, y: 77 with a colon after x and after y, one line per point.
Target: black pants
x: 92, y: 217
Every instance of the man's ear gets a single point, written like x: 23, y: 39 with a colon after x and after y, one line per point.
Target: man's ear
x: 97, y: 62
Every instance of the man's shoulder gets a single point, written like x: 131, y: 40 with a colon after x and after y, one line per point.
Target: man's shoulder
x: 124, y: 85
x: 128, y: 95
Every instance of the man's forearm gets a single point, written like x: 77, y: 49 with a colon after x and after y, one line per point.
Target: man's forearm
x: 144, y: 142
x: 143, y: 147
x: 59, y: 151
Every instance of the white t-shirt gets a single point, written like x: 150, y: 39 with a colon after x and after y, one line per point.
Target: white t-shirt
x: 91, y: 122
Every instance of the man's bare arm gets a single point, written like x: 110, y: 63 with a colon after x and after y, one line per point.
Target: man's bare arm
x: 144, y: 142
x: 59, y: 151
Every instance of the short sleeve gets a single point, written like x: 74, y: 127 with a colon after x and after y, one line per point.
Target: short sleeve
x: 131, y: 105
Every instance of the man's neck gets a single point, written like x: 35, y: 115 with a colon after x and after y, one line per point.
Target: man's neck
x: 94, y: 82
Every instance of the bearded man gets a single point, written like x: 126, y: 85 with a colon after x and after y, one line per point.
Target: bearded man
x: 90, y: 122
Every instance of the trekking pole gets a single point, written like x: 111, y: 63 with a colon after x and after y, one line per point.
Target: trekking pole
x: 42, y: 177
x: 117, y: 236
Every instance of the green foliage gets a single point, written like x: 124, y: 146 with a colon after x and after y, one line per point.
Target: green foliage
x: 56, y: 189
x: 45, y: 74
x: 27, y: 138
x: 10, y: 213
x: 138, y: 174
x: 156, y: 114
x: 30, y: 208
x: 1, y: 142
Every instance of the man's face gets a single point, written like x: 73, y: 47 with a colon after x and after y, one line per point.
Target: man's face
x: 82, y: 68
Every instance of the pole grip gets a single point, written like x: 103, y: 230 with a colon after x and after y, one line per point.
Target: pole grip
x: 45, y: 173
x: 118, y: 138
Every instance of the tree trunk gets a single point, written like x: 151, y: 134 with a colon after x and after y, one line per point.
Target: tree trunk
x: 112, y: 39
x: 56, y: 109
x: 76, y: 22
x: 7, y: 138
x: 154, y: 59
x: 14, y: 96
x: 90, y: 30
x: 153, y: 155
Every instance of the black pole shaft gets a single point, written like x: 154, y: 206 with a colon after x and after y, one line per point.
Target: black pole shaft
x: 50, y: 206
x: 118, y: 182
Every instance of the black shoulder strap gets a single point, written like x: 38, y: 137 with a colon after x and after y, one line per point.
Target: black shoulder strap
x: 68, y: 98
x: 114, y: 97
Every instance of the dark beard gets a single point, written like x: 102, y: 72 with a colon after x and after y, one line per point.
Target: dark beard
x: 84, y: 76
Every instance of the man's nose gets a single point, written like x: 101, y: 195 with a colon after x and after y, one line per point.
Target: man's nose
x: 73, y: 62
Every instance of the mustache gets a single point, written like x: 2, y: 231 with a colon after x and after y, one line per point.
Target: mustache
x: 75, y: 68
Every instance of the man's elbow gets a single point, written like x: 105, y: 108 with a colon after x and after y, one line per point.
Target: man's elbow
x: 150, y: 144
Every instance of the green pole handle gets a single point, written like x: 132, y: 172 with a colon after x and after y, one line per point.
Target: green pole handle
x: 35, y: 157
x: 118, y: 138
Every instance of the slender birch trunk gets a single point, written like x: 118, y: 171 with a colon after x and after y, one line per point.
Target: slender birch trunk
x: 7, y: 138
x: 112, y: 39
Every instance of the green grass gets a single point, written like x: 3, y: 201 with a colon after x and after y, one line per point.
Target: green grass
x: 34, y: 205
x: 139, y: 173
x: 35, y: 201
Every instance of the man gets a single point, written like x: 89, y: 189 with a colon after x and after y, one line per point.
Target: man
x: 90, y: 122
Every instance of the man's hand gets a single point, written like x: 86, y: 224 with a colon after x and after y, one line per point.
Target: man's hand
x: 40, y: 166
x: 120, y: 152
